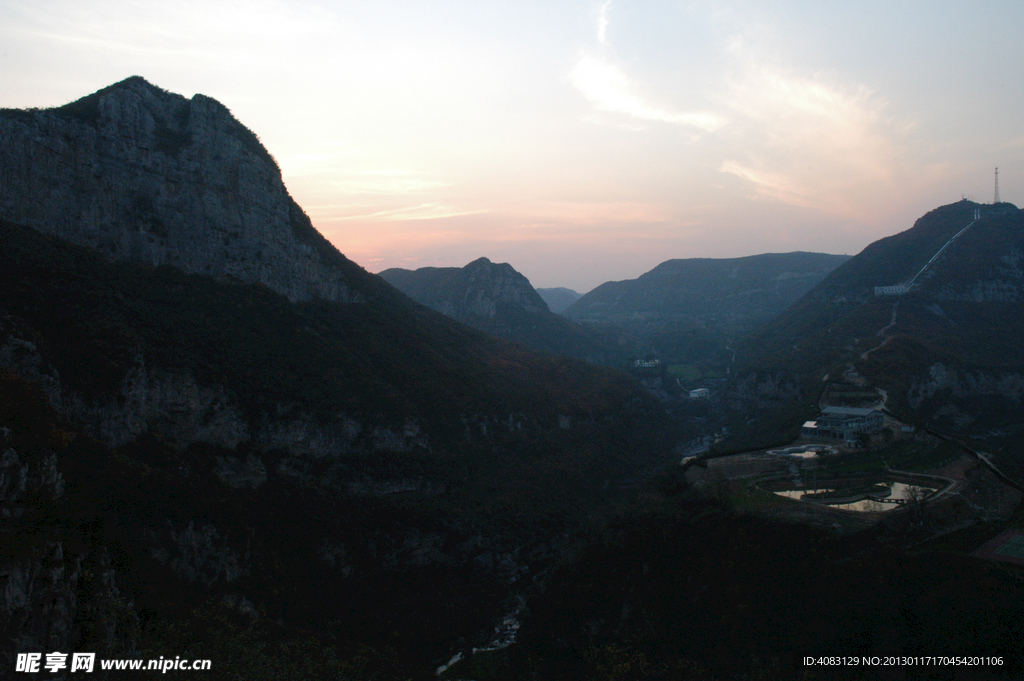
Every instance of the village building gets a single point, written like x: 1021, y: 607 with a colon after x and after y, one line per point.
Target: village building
x: 844, y: 423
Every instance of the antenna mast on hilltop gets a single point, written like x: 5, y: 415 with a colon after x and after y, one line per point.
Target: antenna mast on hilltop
x: 997, y: 187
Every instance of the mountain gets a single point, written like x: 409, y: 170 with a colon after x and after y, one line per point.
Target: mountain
x: 727, y: 292
x: 480, y: 289
x: 221, y: 438
x: 685, y: 311
x: 944, y: 346
x: 141, y: 174
x: 558, y: 298
x: 497, y: 299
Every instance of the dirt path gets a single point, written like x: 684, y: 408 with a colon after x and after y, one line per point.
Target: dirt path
x: 883, y: 332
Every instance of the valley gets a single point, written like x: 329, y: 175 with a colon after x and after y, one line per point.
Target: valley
x: 221, y: 438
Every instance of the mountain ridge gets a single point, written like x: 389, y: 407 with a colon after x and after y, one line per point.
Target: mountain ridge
x: 558, y: 298
x: 686, y: 312
x: 680, y: 286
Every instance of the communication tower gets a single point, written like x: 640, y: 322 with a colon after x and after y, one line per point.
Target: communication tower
x: 996, y: 200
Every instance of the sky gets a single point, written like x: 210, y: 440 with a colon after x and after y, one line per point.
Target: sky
x: 580, y: 141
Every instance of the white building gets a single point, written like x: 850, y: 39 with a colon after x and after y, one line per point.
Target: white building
x: 846, y: 423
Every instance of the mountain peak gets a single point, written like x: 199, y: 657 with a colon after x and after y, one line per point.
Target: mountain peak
x: 183, y: 183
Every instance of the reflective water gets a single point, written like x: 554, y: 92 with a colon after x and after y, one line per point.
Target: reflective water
x: 898, y: 490
x: 807, y: 452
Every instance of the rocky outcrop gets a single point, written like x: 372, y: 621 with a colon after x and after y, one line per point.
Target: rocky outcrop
x: 196, y: 554
x: 940, y: 379
x: 145, y: 175
x: 150, y: 400
x: 962, y: 398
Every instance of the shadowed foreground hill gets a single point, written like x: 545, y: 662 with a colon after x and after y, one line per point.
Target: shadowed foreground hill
x: 221, y: 439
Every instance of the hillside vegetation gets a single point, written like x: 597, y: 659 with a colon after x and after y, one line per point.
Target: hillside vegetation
x: 947, y: 352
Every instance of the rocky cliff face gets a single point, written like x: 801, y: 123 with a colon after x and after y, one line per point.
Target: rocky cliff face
x: 145, y: 175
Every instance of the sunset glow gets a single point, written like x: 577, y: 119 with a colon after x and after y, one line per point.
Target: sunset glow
x: 579, y: 141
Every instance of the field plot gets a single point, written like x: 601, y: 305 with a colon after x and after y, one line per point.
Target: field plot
x: 1008, y: 547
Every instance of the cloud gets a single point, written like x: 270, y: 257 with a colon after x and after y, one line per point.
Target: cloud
x: 388, y: 183
x: 809, y: 141
x: 430, y: 210
x: 598, y: 212
x: 602, y: 22
x: 609, y: 89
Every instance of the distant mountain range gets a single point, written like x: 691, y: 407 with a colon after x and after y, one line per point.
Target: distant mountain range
x: 497, y: 299
x: 558, y: 298
x: 726, y: 292
x: 685, y: 311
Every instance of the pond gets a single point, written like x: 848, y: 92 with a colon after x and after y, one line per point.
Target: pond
x: 897, y: 491
x: 806, y: 452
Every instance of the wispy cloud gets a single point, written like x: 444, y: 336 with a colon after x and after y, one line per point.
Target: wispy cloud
x: 388, y: 183
x: 606, y: 85
x: 370, y: 195
x: 809, y: 140
x: 430, y: 210
x: 596, y: 212
x: 602, y: 22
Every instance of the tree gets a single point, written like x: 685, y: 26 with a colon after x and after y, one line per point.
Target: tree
x: 916, y: 497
